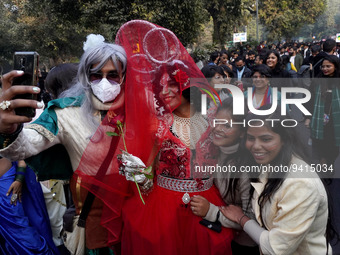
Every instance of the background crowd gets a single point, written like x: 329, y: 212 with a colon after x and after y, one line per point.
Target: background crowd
x: 115, y: 85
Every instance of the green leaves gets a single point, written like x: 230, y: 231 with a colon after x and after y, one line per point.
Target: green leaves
x: 326, y: 24
x: 228, y: 15
x: 148, y: 172
x: 57, y: 29
x: 285, y: 18
x: 111, y: 134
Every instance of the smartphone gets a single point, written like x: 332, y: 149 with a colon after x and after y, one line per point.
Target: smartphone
x: 27, y: 61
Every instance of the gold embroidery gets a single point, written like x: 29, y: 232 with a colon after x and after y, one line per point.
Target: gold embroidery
x: 43, y: 131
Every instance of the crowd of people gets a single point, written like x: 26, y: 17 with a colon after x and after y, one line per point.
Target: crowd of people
x: 120, y: 144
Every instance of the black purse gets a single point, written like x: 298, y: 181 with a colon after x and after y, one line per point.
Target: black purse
x: 215, y: 226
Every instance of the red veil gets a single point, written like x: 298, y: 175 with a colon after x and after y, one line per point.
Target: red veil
x: 151, y: 51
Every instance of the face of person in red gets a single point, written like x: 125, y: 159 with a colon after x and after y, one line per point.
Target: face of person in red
x: 263, y: 144
x: 170, y: 93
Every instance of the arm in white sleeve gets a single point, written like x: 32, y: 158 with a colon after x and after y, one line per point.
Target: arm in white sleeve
x: 28, y: 143
x: 254, y: 230
x: 296, y: 204
x: 212, y: 214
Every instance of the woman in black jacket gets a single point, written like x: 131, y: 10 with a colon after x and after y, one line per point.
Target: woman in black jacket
x: 280, y: 76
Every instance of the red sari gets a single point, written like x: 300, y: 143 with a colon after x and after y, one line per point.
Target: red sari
x: 165, y: 224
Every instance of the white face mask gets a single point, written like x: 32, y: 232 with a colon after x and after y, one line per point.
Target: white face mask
x: 106, y: 91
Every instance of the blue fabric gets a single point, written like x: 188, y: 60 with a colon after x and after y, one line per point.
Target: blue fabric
x: 240, y: 73
x: 24, y: 228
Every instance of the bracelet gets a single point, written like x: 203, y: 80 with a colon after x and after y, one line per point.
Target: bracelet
x: 20, y: 177
x: 146, y: 188
x: 239, y: 221
x: 21, y: 169
x: 20, y: 174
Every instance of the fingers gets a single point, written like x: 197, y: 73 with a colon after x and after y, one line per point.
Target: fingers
x: 18, y: 103
x: 14, y: 198
x: 223, y: 208
x: 19, y: 196
x: 195, y: 209
x: 9, y: 91
x: 7, y: 78
x: 195, y: 204
x: 139, y: 178
x: 199, y: 205
x: 12, y: 91
x: 15, y: 188
x: 9, y: 190
x: 197, y: 198
x: 9, y: 120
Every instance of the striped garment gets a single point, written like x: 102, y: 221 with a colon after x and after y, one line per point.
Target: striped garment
x: 317, y: 124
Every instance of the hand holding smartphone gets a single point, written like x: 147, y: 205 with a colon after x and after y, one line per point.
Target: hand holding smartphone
x: 27, y: 61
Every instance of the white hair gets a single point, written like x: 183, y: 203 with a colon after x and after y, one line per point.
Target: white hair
x: 97, y: 55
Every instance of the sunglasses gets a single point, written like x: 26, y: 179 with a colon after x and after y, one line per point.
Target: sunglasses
x: 113, y: 77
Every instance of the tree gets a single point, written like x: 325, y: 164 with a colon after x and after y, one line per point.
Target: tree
x: 37, y: 26
x: 227, y: 16
x: 57, y: 29
x: 327, y: 24
x: 283, y: 19
x: 184, y: 18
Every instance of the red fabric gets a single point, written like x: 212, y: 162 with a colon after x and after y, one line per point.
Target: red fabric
x: 162, y: 223
x: 165, y: 226
x: 96, y: 235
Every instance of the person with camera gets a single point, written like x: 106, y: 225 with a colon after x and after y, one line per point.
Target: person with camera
x: 72, y: 120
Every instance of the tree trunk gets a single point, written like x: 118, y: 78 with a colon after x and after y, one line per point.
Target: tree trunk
x: 216, y: 34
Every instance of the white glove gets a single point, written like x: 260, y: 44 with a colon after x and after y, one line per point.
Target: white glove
x: 132, y: 165
x: 140, y: 178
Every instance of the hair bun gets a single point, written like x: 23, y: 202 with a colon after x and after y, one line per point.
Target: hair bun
x: 92, y: 41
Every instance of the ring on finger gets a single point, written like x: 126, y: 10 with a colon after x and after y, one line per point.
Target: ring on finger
x: 4, y: 105
x: 14, y: 197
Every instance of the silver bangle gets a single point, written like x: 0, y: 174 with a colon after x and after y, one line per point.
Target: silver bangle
x: 147, y: 185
